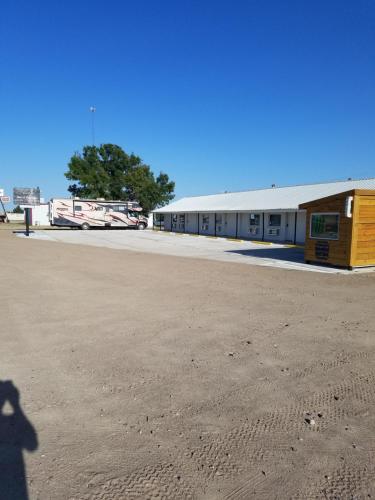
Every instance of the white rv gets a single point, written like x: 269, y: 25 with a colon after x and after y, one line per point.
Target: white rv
x: 86, y: 214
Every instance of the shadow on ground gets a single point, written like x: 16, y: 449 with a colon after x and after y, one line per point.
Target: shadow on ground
x: 287, y: 254
x: 16, y: 434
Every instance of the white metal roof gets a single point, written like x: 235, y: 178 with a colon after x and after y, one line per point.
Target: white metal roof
x: 278, y: 198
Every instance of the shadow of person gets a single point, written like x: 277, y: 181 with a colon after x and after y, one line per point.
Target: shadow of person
x: 16, y: 434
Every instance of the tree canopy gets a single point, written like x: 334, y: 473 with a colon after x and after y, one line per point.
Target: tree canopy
x: 110, y: 173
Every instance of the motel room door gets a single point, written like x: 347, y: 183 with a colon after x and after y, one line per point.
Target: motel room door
x: 226, y: 224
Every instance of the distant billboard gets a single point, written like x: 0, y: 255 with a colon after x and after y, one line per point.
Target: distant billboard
x: 26, y: 196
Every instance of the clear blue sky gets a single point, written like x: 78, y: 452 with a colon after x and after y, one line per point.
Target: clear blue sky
x: 220, y: 95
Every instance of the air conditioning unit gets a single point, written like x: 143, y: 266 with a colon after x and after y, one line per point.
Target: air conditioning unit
x: 254, y: 230
x: 218, y: 229
x: 204, y: 227
x: 274, y: 232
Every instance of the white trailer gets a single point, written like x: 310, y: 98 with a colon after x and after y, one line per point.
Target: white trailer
x: 86, y: 214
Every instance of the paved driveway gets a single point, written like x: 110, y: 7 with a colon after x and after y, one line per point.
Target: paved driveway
x: 182, y: 245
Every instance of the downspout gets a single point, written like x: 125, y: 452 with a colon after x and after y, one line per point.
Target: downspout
x: 263, y: 226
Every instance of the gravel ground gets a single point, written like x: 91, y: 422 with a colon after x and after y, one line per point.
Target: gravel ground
x: 154, y: 376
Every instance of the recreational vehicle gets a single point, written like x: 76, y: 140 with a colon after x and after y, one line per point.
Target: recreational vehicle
x: 86, y: 214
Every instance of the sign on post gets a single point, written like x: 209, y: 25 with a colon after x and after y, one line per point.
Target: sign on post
x: 5, y: 199
x: 26, y: 196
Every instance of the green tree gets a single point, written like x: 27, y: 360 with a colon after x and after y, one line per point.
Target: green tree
x: 108, y: 172
x: 18, y: 210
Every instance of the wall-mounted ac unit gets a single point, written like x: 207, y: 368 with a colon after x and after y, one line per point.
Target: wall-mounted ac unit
x: 204, y: 227
x: 254, y: 230
x: 218, y: 229
x: 274, y: 232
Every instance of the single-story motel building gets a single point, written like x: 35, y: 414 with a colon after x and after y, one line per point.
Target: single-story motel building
x: 271, y: 214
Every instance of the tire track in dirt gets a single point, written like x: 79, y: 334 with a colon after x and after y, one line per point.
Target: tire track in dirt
x: 350, y: 481
x: 260, y: 386
x: 251, y: 444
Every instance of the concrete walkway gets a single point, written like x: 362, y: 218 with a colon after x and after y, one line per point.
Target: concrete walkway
x: 183, y: 245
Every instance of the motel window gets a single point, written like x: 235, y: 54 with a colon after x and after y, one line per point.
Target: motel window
x: 274, y: 220
x: 78, y: 208
x: 324, y: 226
x: 219, y: 219
x: 181, y: 218
x: 254, y: 219
x: 205, y: 219
x: 174, y: 218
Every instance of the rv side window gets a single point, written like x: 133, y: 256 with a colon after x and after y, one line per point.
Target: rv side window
x: 274, y: 220
x: 132, y: 213
x: 78, y: 208
x: 99, y: 208
x: 121, y: 208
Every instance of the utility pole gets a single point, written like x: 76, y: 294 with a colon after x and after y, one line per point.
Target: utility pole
x: 93, y: 111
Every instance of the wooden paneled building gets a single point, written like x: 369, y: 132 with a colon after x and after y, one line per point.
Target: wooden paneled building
x: 340, y: 229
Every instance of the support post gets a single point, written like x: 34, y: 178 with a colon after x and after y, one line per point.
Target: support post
x: 215, y: 223
x: 27, y: 220
x: 295, y: 228
x: 237, y: 225
x: 263, y: 226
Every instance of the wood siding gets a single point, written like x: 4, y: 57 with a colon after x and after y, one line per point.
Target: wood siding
x: 363, y: 245
x: 356, y: 243
x: 339, y: 250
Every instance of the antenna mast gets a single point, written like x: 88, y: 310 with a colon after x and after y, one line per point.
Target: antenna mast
x: 93, y: 111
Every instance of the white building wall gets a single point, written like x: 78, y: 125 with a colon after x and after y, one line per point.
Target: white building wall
x: 167, y: 222
x: 207, y: 228
x: 301, y: 227
x: 226, y: 225
x: 244, y: 226
x: 191, y: 223
x: 230, y: 225
x: 40, y: 215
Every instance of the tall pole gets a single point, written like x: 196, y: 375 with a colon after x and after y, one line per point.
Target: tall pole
x: 92, y: 111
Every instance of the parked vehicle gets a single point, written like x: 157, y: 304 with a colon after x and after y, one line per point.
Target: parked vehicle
x: 86, y: 214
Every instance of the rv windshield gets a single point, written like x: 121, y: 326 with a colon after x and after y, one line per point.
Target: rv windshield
x: 131, y: 213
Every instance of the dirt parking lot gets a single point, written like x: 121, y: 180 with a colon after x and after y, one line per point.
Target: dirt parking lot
x: 156, y: 376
